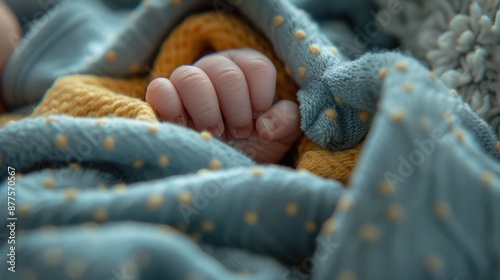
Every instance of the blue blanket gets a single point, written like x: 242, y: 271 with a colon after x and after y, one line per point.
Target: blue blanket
x: 124, y: 199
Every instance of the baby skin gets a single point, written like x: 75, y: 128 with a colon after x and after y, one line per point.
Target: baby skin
x: 10, y: 28
x: 231, y: 94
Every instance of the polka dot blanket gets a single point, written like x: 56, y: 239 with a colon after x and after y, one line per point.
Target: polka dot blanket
x: 118, y: 198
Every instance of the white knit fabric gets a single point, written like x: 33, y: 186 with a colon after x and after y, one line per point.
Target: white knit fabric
x: 459, y: 39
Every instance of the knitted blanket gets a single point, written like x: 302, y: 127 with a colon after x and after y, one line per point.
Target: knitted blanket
x: 126, y: 198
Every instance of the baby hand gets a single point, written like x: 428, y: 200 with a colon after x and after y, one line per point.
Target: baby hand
x: 232, y: 95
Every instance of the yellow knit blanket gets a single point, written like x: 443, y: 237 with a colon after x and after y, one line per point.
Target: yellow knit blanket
x: 91, y: 96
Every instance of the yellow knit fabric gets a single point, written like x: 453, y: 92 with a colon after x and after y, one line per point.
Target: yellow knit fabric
x: 4, y: 119
x: 336, y: 165
x: 91, y: 96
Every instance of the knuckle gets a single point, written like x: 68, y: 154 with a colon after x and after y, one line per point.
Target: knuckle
x: 188, y: 76
x: 261, y: 65
x: 228, y: 76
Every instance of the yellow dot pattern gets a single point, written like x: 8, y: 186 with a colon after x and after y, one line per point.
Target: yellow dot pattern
x: 24, y: 209
x: 208, y: 226
x: 408, y: 87
x: 330, y: 226
x: 441, y: 210
x: 395, y: 212
x: 175, y: 2
x: 459, y: 134
x: 49, y: 229
x: 120, y: 187
x: 155, y: 202
x: 448, y: 117
x: 487, y: 178
x: 365, y: 116
x: 205, y: 135
x: 311, y: 226
x: 29, y: 275
x: 245, y: 272
x: 163, y: 161
x: 302, y: 72
x: 334, y: 50
x: 424, y: 123
x: 195, y: 236
x: 368, y: 233
x: 398, y: 115
x: 75, y: 166
x: 153, y: 129
x: 454, y: 93
x: 215, y: 164
x: 256, y: 171
x: 100, y: 215
x: 135, y: 68
x: 52, y: 257
x: 382, y: 73
x: 300, y: 34
x: 50, y: 119
x: 345, y: 204
x: 138, y: 163
x: 251, y: 218
x: 278, y: 21
x: 432, y: 76
x: 181, y: 227
x: 109, y: 143
x: 75, y: 269
x: 339, y: 100
x: 62, y: 142
x: 70, y: 194
x: 185, y: 198
x: 49, y: 183
x: 100, y: 122
x: 386, y: 188
x: 166, y: 228
x: 314, y: 50
x: 203, y: 171
x: 401, y: 66
x: 291, y: 209
x: 346, y: 275
x: 331, y: 114
x: 433, y: 264
x: 111, y: 56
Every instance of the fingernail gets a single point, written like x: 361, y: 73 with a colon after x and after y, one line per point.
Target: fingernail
x: 242, y: 132
x: 269, y: 124
x: 180, y: 120
x: 215, y: 131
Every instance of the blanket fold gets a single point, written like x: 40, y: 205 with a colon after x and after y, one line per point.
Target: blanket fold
x: 92, y: 96
x: 425, y: 193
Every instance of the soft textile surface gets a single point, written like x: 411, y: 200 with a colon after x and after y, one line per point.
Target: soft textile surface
x: 92, y: 96
x: 459, y: 39
x: 423, y: 203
